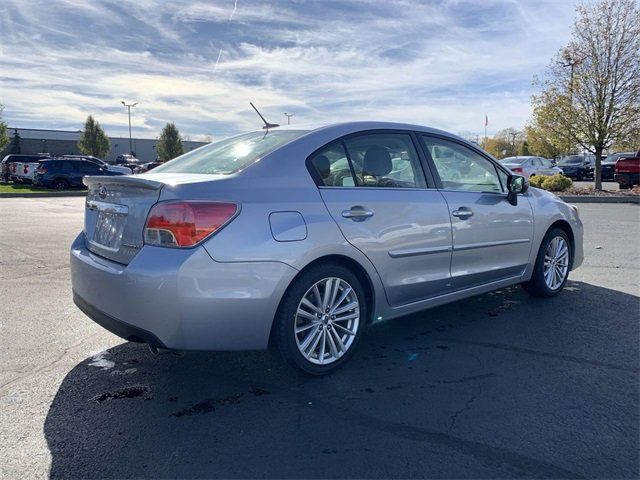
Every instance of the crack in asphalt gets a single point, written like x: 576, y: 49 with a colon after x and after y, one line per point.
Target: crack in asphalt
x: 490, y: 455
x: 568, y: 358
x: 47, y: 365
x: 456, y: 414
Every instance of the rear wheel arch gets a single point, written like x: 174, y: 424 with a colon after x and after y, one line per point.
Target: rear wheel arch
x: 351, y: 264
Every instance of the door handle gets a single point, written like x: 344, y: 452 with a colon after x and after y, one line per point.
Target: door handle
x: 357, y: 214
x: 463, y: 213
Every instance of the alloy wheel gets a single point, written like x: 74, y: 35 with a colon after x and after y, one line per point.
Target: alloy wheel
x: 556, y: 263
x: 327, y: 320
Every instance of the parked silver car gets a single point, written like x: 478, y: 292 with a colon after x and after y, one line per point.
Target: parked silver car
x: 300, y: 238
x: 529, y: 166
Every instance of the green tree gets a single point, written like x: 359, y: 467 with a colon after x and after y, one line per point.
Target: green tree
x: 591, y: 96
x: 93, y: 141
x: 4, y: 137
x: 543, y: 141
x: 15, y: 145
x: 169, y: 143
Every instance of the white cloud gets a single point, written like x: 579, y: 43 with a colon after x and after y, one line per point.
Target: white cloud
x: 199, y: 64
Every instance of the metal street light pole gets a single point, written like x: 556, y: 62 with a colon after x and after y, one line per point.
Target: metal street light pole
x: 129, y: 106
x: 288, y: 115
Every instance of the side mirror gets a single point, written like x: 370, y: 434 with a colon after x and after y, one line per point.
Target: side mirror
x: 516, y: 184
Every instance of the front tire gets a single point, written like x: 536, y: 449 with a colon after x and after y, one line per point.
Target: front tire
x: 321, y: 319
x: 552, y: 266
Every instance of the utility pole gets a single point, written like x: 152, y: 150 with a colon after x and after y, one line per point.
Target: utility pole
x: 513, y: 142
x: 129, y: 106
x: 288, y: 115
x: 571, y: 62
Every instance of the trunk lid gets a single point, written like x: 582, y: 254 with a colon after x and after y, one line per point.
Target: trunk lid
x: 115, y: 214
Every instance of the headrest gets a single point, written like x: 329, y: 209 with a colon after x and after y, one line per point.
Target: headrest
x: 322, y: 164
x: 377, y: 162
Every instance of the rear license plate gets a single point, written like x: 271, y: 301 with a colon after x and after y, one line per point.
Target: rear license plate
x: 109, y: 226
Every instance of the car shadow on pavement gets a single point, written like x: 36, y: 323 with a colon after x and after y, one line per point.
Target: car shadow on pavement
x: 500, y: 385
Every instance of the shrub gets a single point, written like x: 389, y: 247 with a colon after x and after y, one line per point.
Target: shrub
x: 555, y: 183
x: 536, y: 180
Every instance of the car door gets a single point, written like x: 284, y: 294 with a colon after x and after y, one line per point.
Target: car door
x: 536, y: 166
x: 491, y: 237
x: 374, y: 187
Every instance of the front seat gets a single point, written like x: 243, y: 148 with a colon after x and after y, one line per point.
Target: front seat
x: 377, y: 164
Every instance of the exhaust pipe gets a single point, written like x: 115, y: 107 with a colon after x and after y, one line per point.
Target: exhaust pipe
x: 157, y: 351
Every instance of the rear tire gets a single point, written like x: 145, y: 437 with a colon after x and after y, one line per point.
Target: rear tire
x: 321, y: 318
x: 60, y: 184
x: 552, y: 266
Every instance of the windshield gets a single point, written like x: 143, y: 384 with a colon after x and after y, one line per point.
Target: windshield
x: 514, y: 160
x: 230, y: 155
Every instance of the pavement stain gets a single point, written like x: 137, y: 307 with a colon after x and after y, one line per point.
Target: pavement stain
x: 133, y: 391
x: 208, y: 405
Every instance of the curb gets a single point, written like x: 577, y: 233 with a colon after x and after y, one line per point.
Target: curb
x: 599, y: 199
x: 43, y: 195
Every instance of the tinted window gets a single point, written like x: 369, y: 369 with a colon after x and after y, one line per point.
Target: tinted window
x: 230, y: 155
x: 331, y: 167
x: 461, y: 168
x: 387, y: 160
x: 88, y: 167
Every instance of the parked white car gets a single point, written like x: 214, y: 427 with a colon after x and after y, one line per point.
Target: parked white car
x: 530, y: 166
x: 23, y: 172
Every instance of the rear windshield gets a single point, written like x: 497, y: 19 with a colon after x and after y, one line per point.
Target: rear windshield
x: 571, y: 160
x: 514, y: 160
x: 230, y: 155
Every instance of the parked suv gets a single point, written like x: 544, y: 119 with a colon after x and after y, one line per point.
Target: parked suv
x: 9, y: 169
x: 578, y: 167
x: 101, y: 163
x: 61, y: 174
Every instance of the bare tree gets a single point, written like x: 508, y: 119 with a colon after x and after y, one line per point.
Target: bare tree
x: 591, y: 95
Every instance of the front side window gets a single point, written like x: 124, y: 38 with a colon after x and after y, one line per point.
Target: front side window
x: 387, y: 160
x: 230, y: 155
x: 461, y: 168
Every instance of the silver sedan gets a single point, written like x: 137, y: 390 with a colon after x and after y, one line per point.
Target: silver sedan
x: 530, y: 166
x: 301, y: 238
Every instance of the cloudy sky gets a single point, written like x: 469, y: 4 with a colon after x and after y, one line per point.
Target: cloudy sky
x: 442, y: 63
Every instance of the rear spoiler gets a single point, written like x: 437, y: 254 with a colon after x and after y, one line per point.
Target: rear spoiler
x: 92, y: 181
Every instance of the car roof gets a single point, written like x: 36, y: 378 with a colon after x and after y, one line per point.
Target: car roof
x: 363, y: 125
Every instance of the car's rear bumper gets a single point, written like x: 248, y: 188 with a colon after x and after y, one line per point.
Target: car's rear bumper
x: 627, y: 178
x: 180, y: 298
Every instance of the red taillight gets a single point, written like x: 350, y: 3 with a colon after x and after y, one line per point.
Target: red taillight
x: 183, y: 224
x: 517, y: 170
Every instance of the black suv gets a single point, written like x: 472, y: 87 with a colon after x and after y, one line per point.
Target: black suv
x: 61, y: 174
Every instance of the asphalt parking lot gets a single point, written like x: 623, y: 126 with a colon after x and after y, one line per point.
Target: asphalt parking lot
x: 501, y: 385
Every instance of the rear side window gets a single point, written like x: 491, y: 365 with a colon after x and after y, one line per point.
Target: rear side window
x: 331, y: 167
x: 383, y: 160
